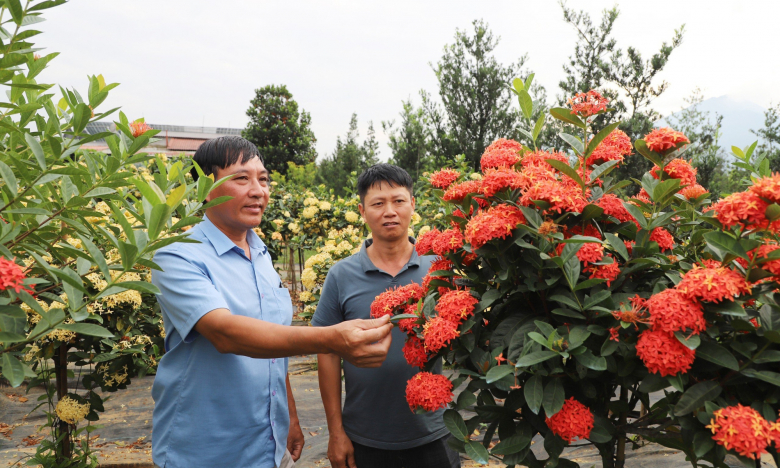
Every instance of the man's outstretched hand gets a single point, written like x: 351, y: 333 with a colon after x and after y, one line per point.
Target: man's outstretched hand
x: 363, y: 343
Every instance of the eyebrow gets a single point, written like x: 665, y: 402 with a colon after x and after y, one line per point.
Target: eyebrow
x: 244, y: 171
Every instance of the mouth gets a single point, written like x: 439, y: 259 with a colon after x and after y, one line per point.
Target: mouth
x: 391, y: 224
x: 254, y: 208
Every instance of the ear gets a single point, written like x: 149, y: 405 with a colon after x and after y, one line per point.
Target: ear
x: 362, y: 210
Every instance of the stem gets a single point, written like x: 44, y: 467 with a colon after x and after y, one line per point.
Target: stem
x: 61, y: 374
x: 620, y: 456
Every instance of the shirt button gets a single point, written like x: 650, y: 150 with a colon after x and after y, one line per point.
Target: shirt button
x: 273, y: 393
x: 273, y: 361
x: 273, y: 423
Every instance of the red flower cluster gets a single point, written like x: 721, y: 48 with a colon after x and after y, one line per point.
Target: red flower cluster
x: 391, y: 300
x: 742, y: 429
x: 450, y: 240
x: 768, y: 187
x: 456, y: 305
x: 613, y: 206
x: 438, y: 332
x: 615, y: 147
x: 456, y: 193
x: 772, y: 266
x: 503, y: 143
x: 503, y: 178
x: 414, y: 352
x: 573, y: 421
x: 713, y: 284
x: 499, y: 157
x: 677, y: 169
x: 407, y: 325
x: 608, y: 272
x: 139, y: 128
x: 662, y: 139
x: 424, y: 243
x: 12, y: 276
x: 539, y: 159
x: 440, y: 264
x: 742, y: 208
x: 663, y: 237
x: 663, y: 354
x: 428, y: 391
x: 693, y: 191
x: 497, y: 222
x: 587, y: 104
x: 560, y: 197
x: 671, y: 311
x: 444, y: 178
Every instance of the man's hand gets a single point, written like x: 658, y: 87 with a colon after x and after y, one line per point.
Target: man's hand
x: 340, y: 451
x: 363, y: 343
x: 295, y: 440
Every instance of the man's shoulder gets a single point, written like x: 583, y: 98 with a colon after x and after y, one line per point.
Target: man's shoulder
x: 188, y: 249
x: 346, y: 266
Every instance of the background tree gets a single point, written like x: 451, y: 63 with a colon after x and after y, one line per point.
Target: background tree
x: 409, y: 141
x: 349, y: 156
x: 476, y: 103
x: 770, y: 137
x: 280, y: 131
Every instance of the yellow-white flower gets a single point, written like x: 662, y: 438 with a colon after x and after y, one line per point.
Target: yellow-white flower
x: 351, y: 216
x: 475, y: 176
x: 423, y: 230
x: 325, y: 206
x: 416, y: 218
x: 294, y: 228
x: 310, y: 212
x: 71, y: 411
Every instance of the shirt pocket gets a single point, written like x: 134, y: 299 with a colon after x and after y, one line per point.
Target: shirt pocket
x: 284, y: 308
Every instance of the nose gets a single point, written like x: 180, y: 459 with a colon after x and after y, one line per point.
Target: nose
x: 257, y: 189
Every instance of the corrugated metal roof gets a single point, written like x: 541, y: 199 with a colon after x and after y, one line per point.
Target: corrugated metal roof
x: 184, y: 144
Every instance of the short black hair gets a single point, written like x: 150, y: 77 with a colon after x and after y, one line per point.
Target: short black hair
x: 223, y: 152
x: 383, y: 172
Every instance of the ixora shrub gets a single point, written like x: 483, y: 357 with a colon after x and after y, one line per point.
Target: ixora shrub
x: 575, y: 314
x: 78, y: 230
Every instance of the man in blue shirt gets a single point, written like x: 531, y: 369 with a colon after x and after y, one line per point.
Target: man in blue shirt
x: 376, y: 428
x: 222, y: 395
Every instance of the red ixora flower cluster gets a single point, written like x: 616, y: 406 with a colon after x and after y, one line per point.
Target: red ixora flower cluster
x: 444, y: 178
x: 12, y: 276
x: 587, y: 104
x: 456, y: 193
x: 573, y: 421
x: 615, y: 147
x: 671, y: 311
x: 447, y: 241
x: 713, y: 284
x: 428, y: 391
x: 772, y: 266
x: 677, y: 169
x: 391, y: 300
x: 663, y: 237
x: 663, y: 139
x: 768, y: 187
x: 744, y: 209
x: 663, y: 354
x: 438, y: 332
x: 456, y: 306
x: 503, y: 178
x: 497, y: 222
x: 440, y: 264
x: 414, y: 352
x: 744, y: 430
x: 501, y: 153
x: 138, y: 128
x: 693, y: 191
x: 613, y: 206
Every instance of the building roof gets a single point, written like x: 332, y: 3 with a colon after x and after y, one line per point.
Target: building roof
x: 172, y: 139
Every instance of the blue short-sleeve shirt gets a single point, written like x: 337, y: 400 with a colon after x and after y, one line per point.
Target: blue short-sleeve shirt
x: 214, y: 409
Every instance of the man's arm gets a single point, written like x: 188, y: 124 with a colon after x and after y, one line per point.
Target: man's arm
x: 341, y: 453
x: 363, y: 343
x: 295, y: 440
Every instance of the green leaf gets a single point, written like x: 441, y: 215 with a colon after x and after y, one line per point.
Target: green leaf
x: 596, y: 140
x: 99, y: 192
x: 176, y: 196
x: 86, y: 329
x: 690, y: 342
x: 599, y: 434
x: 81, y: 115
x: 772, y: 212
x: 9, y: 178
x: 565, y: 300
x: 454, y: 422
x: 538, y: 126
x: 518, y: 85
x: 637, y: 213
x: 566, y: 169
x: 150, y: 191
x: 597, y: 298
x: 513, y: 444
x: 601, y: 169
x: 498, y: 373
x: 617, y: 245
x: 649, y: 154
x: 722, y: 242
x: 695, y: 397
x: 13, y: 319
x: 565, y: 115
x: 97, y: 256
x: 159, y: 217
x: 574, y: 142
x: 466, y: 399
x: 554, y: 397
x: 17, y: 13
x: 717, y: 354
x: 592, y: 211
x: 665, y: 189
x: 143, y: 286
x: 766, y: 376
x: 477, y: 452
x: 534, y: 392
x: 36, y: 149
x: 526, y: 103
x: 590, y: 361
x: 13, y: 370
x: 535, y: 358
x: 702, y: 443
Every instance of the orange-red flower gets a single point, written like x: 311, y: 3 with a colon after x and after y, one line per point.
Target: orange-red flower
x: 663, y: 139
x: 438, y: 332
x: 424, y: 243
x: 613, y: 206
x: 573, y: 421
x: 456, y: 193
x: 499, y: 157
x: 608, y: 272
x: 503, y: 178
x: 539, y: 159
x: 497, y: 222
x: 615, y: 147
x: 504, y: 143
x: 407, y: 325
x: 671, y: 311
x: 768, y: 187
x: 587, y: 104
x: 444, y: 178
x: 677, y: 169
x: 663, y: 354
x: 713, y: 284
x: 414, y: 352
x: 12, y: 276
x: 450, y: 240
x: 772, y: 266
x: 428, y: 391
x: 456, y: 305
x: 560, y: 197
x: 741, y: 208
x: 139, y: 128
x: 636, y: 314
x: 391, y: 300
x: 663, y: 237
x: 742, y: 429
x: 693, y: 191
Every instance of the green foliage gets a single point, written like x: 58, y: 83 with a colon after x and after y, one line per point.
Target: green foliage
x: 280, y: 131
x: 770, y: 137
x: 348, y: 157
x: 409, y: 141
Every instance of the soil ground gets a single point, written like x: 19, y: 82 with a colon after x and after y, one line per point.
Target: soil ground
x: 124, y: 437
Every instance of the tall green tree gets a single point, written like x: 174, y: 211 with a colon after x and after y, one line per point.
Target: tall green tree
x: 476, y: 100
x: 770, y: 137
x: 349, y: 156
x: 409, y: 141
x: 281, y: 132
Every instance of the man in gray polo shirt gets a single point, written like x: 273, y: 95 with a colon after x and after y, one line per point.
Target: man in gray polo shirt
x: 376, y: 428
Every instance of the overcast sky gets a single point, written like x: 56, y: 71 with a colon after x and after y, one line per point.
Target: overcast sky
x: 195, y: 62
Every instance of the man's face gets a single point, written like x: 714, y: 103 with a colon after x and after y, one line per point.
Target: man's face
x: 249, y: 187
x: 388, y: 211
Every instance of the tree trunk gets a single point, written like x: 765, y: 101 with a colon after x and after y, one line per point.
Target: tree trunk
x: 61, y: 384
x: 292, y: 272
x: 620, y: 455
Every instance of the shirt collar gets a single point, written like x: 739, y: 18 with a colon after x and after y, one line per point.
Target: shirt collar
x: 368, y: 265
x: 222, y: 243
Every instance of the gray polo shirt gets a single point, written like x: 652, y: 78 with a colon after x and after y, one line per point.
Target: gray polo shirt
x: 376, y: 413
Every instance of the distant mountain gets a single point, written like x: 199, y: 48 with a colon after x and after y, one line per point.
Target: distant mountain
x: 739, y: 117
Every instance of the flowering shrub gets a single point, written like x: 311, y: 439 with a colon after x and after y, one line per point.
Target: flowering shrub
x: 564, y: 306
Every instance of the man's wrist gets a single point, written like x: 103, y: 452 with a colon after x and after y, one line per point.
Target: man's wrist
x: 329, y: 339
